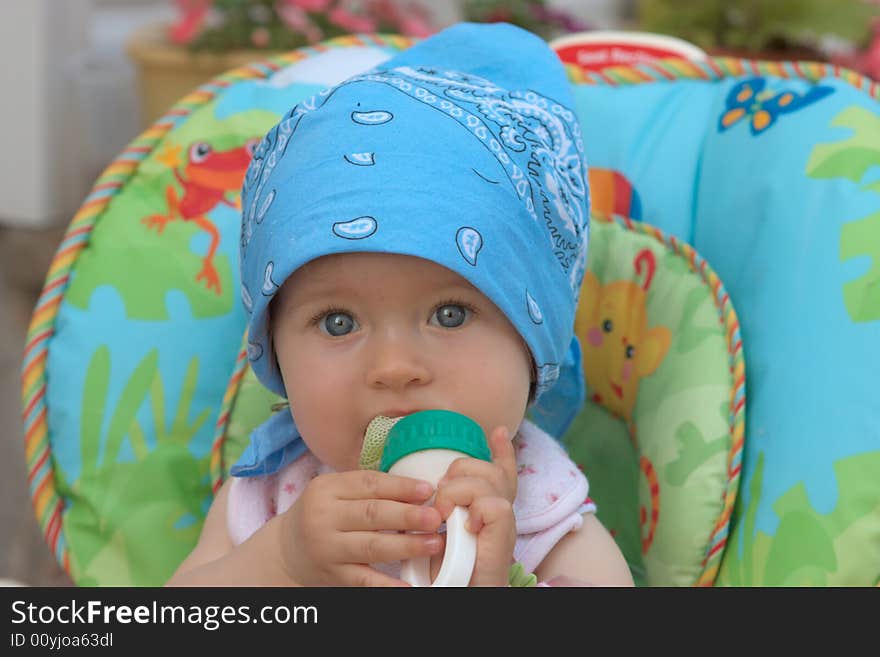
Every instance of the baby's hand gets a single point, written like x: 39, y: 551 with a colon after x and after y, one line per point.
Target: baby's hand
x: 334, y: 529
x: 488, y: 491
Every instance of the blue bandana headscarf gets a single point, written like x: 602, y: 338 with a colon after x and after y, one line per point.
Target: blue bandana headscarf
x: 463, y: 150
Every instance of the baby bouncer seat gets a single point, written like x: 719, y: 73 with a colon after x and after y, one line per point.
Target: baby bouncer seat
x: 729, y: 323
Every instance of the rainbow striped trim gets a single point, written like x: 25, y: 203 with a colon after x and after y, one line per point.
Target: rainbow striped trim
x: 238, y: 372
x: 718, y: 68
x: 48, y: 504
x: 737, y: 407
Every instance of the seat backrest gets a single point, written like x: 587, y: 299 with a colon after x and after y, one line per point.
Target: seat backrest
x: 770, y: 171
x: 137, y: 396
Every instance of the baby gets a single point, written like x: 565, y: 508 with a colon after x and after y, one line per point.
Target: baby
x: 414, y: 239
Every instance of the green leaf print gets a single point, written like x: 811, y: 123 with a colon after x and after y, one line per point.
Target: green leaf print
x: 690, y: 336
x: 132, y: 396
x: 862, y: 296
x: 94, y: 401
x: 180, y: 429
x: 848, y: 163
x: 694, y: 451
x: 124, y: 525
x: 852, y: 159
x: 803, y: 550
x: 800, y: 543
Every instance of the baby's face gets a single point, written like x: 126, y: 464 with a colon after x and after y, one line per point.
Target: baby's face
x: 363, y: 334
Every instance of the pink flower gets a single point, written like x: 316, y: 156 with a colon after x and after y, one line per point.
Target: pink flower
x: 351, y: 22
x: 294, y: 17
x: 563, y: 19
x: 870, y: 64
x: 191, y: 18
x: 309, y: 5
x: 414, y: 26
x: 298, y: 21
x: 382, y: 10
x: 867, y: 61
x: 260, y: 37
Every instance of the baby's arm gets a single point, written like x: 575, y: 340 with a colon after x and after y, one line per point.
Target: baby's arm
x: 588, y: 556
x: 216, y: 562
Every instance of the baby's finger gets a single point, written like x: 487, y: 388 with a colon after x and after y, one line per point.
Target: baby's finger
x: 492, y: 519
x: 358, y: 515
x: 503, y: 453
x: 384, y: 547
x: 502, y: 471
x: 478, y: 469
x: 369, y: 484
x: 354, y: 574
x: 494, y: 511
x: 461, y: 491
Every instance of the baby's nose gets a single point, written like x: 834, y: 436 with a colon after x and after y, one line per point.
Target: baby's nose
x: 397, y: 362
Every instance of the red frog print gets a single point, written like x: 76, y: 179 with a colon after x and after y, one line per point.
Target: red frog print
x: 207, y: 178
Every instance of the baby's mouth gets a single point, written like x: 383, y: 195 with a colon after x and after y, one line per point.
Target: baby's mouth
x: 395, y: 412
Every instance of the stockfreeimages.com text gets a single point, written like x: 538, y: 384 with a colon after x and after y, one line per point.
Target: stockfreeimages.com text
x: 209, y: 616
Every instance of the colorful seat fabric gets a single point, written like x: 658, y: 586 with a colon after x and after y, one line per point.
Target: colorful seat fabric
x: 136, y: 397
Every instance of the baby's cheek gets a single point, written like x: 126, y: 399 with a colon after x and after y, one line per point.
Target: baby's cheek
x: 594, y: 337
x: 627, y: 370
x: 496, y: 401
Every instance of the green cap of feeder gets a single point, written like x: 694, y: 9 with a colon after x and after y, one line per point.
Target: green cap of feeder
x: 434, y: 430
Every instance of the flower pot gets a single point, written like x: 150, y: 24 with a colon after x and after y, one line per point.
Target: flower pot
x: 167, y: 72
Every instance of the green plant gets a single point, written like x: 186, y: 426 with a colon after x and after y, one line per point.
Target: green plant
x: 756, y: 26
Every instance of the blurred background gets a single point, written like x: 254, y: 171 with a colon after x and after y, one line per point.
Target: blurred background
x: 82, y: 78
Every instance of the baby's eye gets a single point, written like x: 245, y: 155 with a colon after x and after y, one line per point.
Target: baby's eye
x: 608, y: 326
x: 451, y: 315
x: 337, y: 324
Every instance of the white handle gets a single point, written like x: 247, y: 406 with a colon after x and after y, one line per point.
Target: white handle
x: 458, y: 560
x: 461, y: 545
